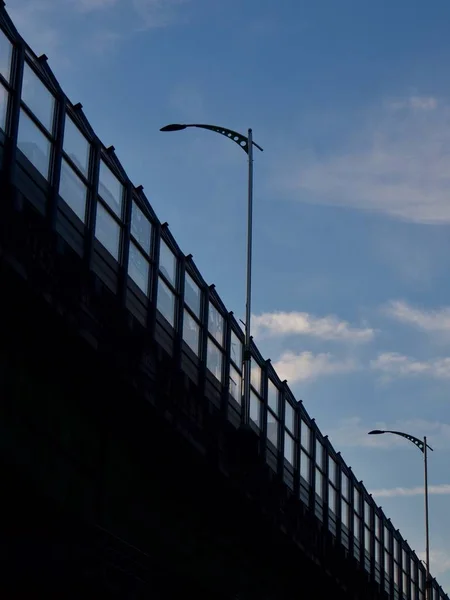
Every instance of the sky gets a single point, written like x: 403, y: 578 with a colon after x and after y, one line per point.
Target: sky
x: 351, y: 102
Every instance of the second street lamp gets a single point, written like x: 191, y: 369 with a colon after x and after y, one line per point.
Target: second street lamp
x: 246, y: 143
x: 423, y: 447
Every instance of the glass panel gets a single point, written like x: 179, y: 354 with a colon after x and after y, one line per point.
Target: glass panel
x: 72, y: 190
x: 255, y: 409
x: 413, y: 569
x: 356, y: 526
x: 396, y: 574
x: 332, y: 498
x: 166, y: 302
x: 387, y: 538
x: 272, y: 428
x: 141, y: 228
x: 215, y: 323
x: 289, y: 449
x: 319, y: 483
x: 3, y: 105
x: 367, y: 539
x: 404, y: 558
x: 138, y: 268
x: 320, y: 454
x: 38, y: 98
x: 191, y: 332
x: 272, y: 396
x: 356, y: 500
x: 396, y: 550
x: 33, y: 143
x: 345, y: 511
x: 236, y: 350
x: 305, y: 466
x: 5, y: 56
x: 192, y: 295
x: 289, y: 417
x: 378, y: 528
x: 377, y: 552
x: 235, y: 384
x: 167, y: 263
x: 255, y: 376
x: 367, y: 513
x: 110, y: 189
x: 345, y: 486
x: 214, y: 360
x: 107, y: 231
x: 76, y: 146
x: 305, y: 436
x: 405, y: 582
x: 332, y: 470
x: 387, y: 564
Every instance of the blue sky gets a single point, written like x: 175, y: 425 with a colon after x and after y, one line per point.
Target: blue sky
x: 351, y: 103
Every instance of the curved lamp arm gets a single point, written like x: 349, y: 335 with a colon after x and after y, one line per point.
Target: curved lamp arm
x: 236, y: 137
x: 416, y: 441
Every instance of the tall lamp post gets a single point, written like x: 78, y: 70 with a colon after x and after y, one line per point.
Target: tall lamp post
x: 246, y: 143
x: 423, y: 446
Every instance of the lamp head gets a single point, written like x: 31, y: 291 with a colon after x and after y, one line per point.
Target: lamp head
x: 173, y: 127
x: 376, y: 432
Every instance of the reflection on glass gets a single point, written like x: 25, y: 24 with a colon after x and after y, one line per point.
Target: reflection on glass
x: 167, y: 263
x: 107, y: 231
x: 367, y: 539
x: 377, y: 552
x: 138, y: 268
x: 215, y: 323
x: 289, y: 448
x: 236, y: 350
x: 331, y: 499
x: 332, y: 470
x: 72, y: 190
x: 141, y: 228
x: 33, y: 143
x: 319, y: 483
x: 367, y: 513
x: 305, y: 435
x: 289, y: 417
x: 255, y: 409
x: 356, y: 500
x: 192, y: 295
x: 345, y: 514
x: 387, y: 538
x: 345, y: 486
x: 166, y: 302
x: 191, y: 332
x: 76, y: 146
x: 38, y: 98
x: 305, y: 466
x: 272, y: 429
x: 356, y: 527
x: 320, y: 454
x: 3, y: 106
x: 5, y: 56
x: 235, y: 384
x: 255, y: 375
x: 110, y: 189
x: 214, y: 360
x: 272, y: 396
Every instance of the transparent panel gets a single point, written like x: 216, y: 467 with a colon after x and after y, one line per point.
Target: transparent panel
x: 305, y: 435
x: 387, y: 538
x: 216, y: 323
x: 214, y: 360
x: 345, y: 486
x: 396, y: 574
x: 76, y: 146
x: 107, y: 231
x: 166, y: 302
x: 387, y: 564
x: 191, y: 332
x: 405, y: 581
x: 289, y: 417
x: 72, y: 190
x: 5, y: 56
x: 273, y: 397
x: 319, y: 483
x: 332, y: 470
x: 396, y: 550
x: 33, y: 143
x: 110, y: 189
x: 138, y: 268
x: 255, y: 376
x: 272, y: 428
x: 255, y: 409
x: 3, y: 105
x: 192, y: 295
x: 378, y: 528
x: 236, y: 350
x: 367, y: 513
x: 413, y: 591
x: 377, y: 552
x: 38, y: 98
x: 413, y: 569
x: 332, y: 499
x: 235, y: 384
x: 367, y: 539
x: 404, y: 559
x: 345, y: 514
x: 356, y: 500
x: 320, y: 454
x: 141, y: 228
x: 305, y: 466
x: 167, y: 263
x: 356, y: 527
x: 289, y: 448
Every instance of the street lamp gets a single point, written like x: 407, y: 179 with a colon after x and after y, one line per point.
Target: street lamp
x: 423, y: 446
x: 246, y: 143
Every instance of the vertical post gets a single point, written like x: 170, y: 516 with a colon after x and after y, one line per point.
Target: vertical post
x: 427, y: 532
x: 247, y: 355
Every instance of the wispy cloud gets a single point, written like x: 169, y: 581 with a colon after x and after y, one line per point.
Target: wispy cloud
x: 431, y: 321
x: 414, y: 103
x: 302, y: 323
x: 394, y: 364
x: 156, y: 13
x: 397, y: 164
x: 307, y: 366
x: 92, y: 5
x: 441, y: 490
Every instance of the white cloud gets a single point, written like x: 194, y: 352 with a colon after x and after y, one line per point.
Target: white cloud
x: 92, y: 5
x: 156, y: 13
x: 398, y: 164
x: 399, y: 365
x: 307, y: 366
x: 431, y: 321
x: 415, y: 103
x: 441, y: 490
x: 302, y: 323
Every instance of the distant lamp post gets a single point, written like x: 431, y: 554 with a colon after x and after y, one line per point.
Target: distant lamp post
x: 423, y: 446
x: 246, y: 143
